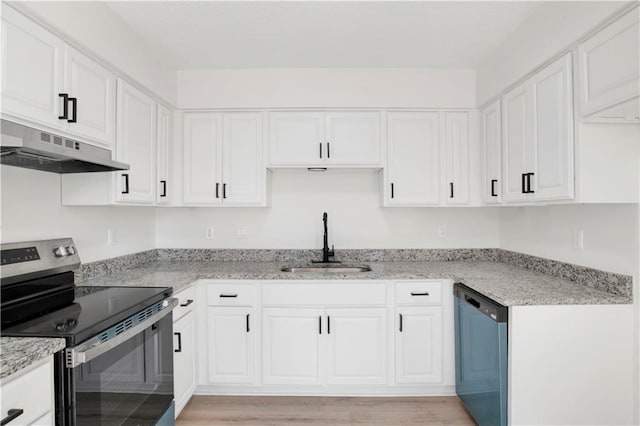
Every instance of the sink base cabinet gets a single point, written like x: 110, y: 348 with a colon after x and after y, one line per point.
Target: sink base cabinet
x: 324, y: 338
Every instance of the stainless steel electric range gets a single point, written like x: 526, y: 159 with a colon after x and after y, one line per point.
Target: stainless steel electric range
x: 117, y: 367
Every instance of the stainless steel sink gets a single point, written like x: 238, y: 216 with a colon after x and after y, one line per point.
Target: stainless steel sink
x: 342, y: 269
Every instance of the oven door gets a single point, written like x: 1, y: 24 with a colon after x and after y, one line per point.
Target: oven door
x: 130, y: 382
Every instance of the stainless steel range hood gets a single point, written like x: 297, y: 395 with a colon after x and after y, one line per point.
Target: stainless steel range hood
x: 23, y: 146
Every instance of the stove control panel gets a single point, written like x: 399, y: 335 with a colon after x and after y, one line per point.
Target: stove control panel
x: 33, y: 259
x: 19, y: 255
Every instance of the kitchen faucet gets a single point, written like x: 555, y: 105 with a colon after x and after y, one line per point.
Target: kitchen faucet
x: 326, y: 253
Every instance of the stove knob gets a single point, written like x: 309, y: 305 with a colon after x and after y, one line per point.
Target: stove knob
x: 61, y: 327
x: 60, y: 251
x: 71, y: 250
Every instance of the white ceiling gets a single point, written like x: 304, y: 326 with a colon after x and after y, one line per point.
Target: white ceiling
x: 260, y: 34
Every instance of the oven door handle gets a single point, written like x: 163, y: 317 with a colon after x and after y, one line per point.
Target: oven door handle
x: 93, y: 348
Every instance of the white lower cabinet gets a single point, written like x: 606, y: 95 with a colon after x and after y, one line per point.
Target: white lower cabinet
x: 29, y: 390
x: 419, y: 345
x: 184, y: 349
x: 231, y: 346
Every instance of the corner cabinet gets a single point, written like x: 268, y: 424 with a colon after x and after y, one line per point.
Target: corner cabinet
x: 184, y: 348
x: 609, y: 69
x: 54, y: 85
x: 306, y: 139
x: 491, y: 135
x: 223, y: 162
x: 537, y: 128
x: 163, y: 149
x: 412, y: 175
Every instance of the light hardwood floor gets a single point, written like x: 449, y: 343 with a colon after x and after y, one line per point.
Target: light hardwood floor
x: 284, y: 410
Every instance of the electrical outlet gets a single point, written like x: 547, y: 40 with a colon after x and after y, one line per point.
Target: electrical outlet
x: 111, y: 237
x: 442, y: 231
x: 242, y: 232
x: 208, y: 234
x: 578, y: 239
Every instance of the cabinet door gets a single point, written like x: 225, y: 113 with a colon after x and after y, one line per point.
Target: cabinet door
x: 457, y: 157
x: 516, y: 143
x: 419, y: 345
x: 413, y: 162
x: 231, y: 353
x: 243, y: 170
x: 202, y: 166
x: 610, y: 65
x: 353, y: 138
x: 492, y: 145
x: 136, y: 145
x: 292, y: 346
x: 184, y: 360
x: 94, y: 89
x: 357, y: 344
x: 163, y: 134
x: 296, y: 138
x: 552, y: 123
x: 31, y: 70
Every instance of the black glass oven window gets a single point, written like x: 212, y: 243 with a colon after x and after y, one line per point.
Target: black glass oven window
x: 131, y: 384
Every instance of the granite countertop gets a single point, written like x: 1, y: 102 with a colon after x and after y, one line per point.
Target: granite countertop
x: 17, y: 353
x: 505, y: 283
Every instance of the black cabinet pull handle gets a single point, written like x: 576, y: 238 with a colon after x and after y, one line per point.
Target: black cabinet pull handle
x: 189, y: 301
x: 493, y: 187
x: 472, y: 301
x: 450, y: 189
x: 328, y: 150
x: 392, y: 191
x: 11, y: 414
x: 217, y: 190
x: 529, y: 190
x: 320, y: 324
x: 179, y: 342
x: 126, y: 183
x: 524, y: 183
x: 228, y: 295
x: 74, y: 116
x: 320, y: 149
x: 248, y: 329
x: 224, y: 190
x: 164, y: 188
x: 65, y: 106
x: 420, y: 294
x: 328, y: 324
x: 400, y: 323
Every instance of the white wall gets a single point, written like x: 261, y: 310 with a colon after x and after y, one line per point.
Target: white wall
x: 95, y: 27
x: 610, y: 234
x: 31, y: 210
x: 551, y: 28
x: 326, y: 87
x: 351, y: 198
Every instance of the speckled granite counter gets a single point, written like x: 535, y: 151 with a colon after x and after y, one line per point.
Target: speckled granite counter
x: 17, y: 353
x: 507, y: 284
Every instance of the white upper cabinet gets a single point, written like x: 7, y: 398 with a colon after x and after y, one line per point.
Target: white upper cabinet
x: 91, y: 89
x: 537, y: 131
x: 302, y: 139
x: 412, y: 175
x: 492, y: 145
x: 32, y: 68
x: 136, y: 145
x: 223, y: 163
x: 163, y: 136
x: 610, y: 70
x: 456, y: 157
x: 45, y: 81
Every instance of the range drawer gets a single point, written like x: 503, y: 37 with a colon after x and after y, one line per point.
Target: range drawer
x: 230, y: 294
x: 186, y: 304
x: 325, y: 293
x: 415, y: 293
x: 31, y: 391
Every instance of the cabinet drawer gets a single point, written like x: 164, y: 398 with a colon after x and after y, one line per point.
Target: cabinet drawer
x: 31, y: 391
x: 186, y: 298
x: 230, y: 295
x: 418, y: 293
x: 325, y: 294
